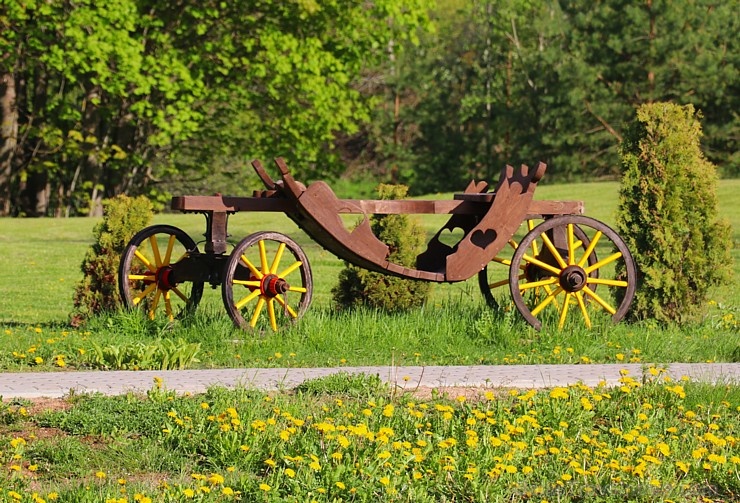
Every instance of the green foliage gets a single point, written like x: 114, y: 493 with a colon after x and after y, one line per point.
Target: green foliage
x: 356, y: 386
x: 668, y: 214
x: 518, y: 82
x: 162, y: 354
x: 98, y: 290
x: 405, y: 239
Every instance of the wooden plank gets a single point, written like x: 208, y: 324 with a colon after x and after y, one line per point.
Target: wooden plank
x: 541, y: 208
x: 378, y: 207
x: 460, y: 207
x: 230, y: 204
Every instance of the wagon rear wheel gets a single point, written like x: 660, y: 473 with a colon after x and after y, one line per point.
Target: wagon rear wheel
x: 265, y: 286
x: 571, y: 273
x: 145, y: 274
x: 493, y: 277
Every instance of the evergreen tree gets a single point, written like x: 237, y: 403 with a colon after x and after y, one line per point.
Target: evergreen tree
x: 668, y: 214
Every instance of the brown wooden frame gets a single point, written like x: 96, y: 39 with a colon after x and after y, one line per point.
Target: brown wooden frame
x: 488, y: 219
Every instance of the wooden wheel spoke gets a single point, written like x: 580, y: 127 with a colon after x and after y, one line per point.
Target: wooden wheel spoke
x: 155, y: 303
x: 590, y: 249
x: 145, y: 261
x: 168, y: 306
x: 289, y: 309
x: 550, y: 297
x: 571, y: 245
x: 249, y: 282
x: 168, y: 253
x: 537, y: 284
x: 263, y: 257
x: 497, y: 284
x: 582, y: 305
x: 181, y: 295
x: 244, y: 301
x: 257, y: 311
x: 553, y: 250
x: 271, y: 314
x: 298, y: 289
x: 256, y: 272
x: 141, y: 295
x: 290, y: 269
x: 141, y: 277
x: 607, y: 282
x: 155, y: 250
x: 504, y: 261
x: 601, y: 263
x: 599, y: 300
x: 564, y: 311
x: 276, y: 260
x: 542, y: 265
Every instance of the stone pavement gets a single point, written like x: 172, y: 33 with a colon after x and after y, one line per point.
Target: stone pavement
x: 60, y: 384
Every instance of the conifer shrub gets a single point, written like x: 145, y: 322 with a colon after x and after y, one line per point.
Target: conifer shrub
x: 668, y: 216
x: 123, y: 217
x: 405, y: 239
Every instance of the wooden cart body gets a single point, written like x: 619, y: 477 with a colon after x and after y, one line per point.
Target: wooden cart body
x: 487, y: 219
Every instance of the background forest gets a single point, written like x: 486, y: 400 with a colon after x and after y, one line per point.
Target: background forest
x: 159, y: 97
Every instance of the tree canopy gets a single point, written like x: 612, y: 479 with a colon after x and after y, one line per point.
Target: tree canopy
x: 150, y: 97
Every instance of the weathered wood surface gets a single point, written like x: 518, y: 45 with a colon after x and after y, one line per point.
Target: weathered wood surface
x: 276, y: 203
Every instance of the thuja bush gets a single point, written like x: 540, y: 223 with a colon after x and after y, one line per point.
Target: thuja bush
x: 123, y: 216
x: 668, y: 216
x: 405, y: 239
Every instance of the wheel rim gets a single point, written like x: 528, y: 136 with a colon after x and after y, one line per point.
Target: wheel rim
x: 492, y: 278
x: 267, y: 282
x: 569, y: 272
x: 145, y: 276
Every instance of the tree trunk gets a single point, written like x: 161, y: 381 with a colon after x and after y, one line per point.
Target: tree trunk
x: 8, y: 136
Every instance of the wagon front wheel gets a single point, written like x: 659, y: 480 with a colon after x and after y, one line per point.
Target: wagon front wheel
x: 571, y: 273
x: 145, y: 274
x: 265, y: 286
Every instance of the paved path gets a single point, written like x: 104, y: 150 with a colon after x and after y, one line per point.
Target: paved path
x: 59, y: 384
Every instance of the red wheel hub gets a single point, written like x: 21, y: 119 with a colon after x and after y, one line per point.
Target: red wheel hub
x: 272, y: 285
x: 164, y: 278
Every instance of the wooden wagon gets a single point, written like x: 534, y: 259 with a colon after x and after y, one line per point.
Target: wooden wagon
x: 569, y: 263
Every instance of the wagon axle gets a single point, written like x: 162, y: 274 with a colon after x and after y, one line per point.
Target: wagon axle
x: 164, y: 278
x: 573, y: 278
x: 272, y: 285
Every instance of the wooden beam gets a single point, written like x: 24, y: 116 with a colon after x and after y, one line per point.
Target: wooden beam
x: 469, y: 206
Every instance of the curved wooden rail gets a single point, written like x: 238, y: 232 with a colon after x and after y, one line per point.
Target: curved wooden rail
x: 316, y: 210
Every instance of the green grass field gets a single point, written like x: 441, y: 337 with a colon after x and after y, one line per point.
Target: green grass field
x: 40, y: 266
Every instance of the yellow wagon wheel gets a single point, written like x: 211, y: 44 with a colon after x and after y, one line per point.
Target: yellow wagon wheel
x: 146, y: 278
x: 267, y: 282
x: 571, y: 273
x: 493, y: 277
